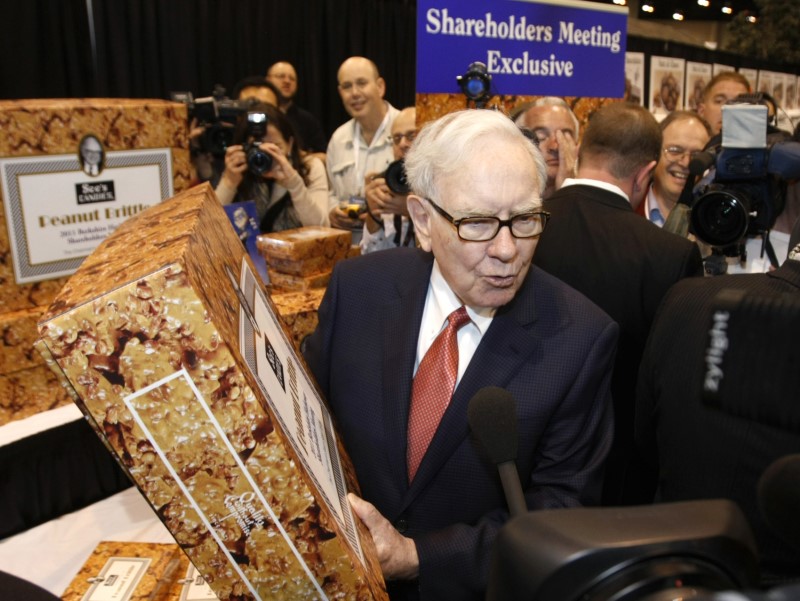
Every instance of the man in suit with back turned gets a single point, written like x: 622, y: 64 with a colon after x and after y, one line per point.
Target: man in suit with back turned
x: 408, y: 336
x: 597, y: 244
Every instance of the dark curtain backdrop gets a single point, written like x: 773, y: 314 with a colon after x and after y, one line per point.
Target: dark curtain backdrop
x: 148, y: 48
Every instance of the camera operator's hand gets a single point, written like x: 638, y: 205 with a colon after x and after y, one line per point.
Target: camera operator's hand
x: 195, y: 131
x: 282, y: 170
x: 235, y: 166
x: 339, y: 218
x: 381, y: 199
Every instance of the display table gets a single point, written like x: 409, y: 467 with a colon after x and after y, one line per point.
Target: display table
x: 52, y: 553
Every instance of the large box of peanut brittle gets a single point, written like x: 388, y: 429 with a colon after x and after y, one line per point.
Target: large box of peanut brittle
x: 179, y: 359
x: 57, y: 202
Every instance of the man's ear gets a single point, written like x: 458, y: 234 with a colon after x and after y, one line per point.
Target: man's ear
x: 422, y: 220
x: 641, y: 181
x: 381, y: 85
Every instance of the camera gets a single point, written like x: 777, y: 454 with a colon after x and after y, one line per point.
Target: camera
x: 476, y: 84
x: 258, y: 161
x: 217, y: 114
x: 744, y: 190
x: 395, y: 176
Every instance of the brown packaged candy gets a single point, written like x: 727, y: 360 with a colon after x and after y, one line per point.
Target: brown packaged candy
x: 304, y: 243
x: 297, y: 283
x: 298, y: 311
x: 43, y: 127
x: 134, y: 571
x: 188, y: 373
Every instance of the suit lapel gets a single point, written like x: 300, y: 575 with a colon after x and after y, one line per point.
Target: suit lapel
x: 504, y: 348
x: 401, y: 331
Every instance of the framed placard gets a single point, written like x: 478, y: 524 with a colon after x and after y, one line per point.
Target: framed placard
x: 58, y: 210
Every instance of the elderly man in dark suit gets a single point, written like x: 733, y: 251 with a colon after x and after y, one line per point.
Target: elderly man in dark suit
x: 383, y: 354
x: 705, y: 450
x: 597, y: 244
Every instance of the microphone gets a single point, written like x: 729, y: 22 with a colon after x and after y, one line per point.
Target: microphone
x: 779, y: 498
x: 492, y: 417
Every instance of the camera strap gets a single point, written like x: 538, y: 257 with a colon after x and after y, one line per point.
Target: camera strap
x: 766, y: 245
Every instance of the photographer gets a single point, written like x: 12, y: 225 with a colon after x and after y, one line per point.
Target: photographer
x: 292, y: 190
x: 705, y: 451
x: 387, y: 223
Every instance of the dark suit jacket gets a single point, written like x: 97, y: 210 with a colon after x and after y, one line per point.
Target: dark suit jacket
x: 597, y: 244
x: 704, y: 452
x: 550, y: 347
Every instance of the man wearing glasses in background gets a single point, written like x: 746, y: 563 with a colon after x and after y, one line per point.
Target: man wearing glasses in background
x: 684, y: 134
x: 404, y: 328
x: 597, y: 244
x: 387, y: 224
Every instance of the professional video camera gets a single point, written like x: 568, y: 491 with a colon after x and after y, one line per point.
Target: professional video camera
x: 744, y: 189
x: 258, y: 161
x: 217, y: 114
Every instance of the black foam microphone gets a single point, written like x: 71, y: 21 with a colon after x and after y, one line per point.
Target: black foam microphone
x: 779, y: 498
x: 492, y: 417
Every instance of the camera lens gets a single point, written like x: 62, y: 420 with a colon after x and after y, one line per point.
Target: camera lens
x: 258, y: 161
x: 719, y: 218
x: 395, y: 177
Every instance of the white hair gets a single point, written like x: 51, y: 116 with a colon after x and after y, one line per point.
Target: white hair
x: 445, y: 145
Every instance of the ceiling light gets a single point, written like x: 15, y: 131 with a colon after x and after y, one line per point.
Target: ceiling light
x: 647, y: 8
x: 751, y: 18
x: 677, y: 16
x: 727, y: 9
x: 703, y: 3
x: 620, y: 2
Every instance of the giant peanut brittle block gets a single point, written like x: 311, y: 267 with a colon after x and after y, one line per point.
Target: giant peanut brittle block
x: 179, y: 359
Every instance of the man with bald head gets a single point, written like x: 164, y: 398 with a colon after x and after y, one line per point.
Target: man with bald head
x: 387, y: 223
x: 556, y: 130
x: 360, y: 146
x: 311, y: 137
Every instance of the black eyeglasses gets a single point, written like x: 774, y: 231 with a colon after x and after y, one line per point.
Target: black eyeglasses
x: 483, y: 229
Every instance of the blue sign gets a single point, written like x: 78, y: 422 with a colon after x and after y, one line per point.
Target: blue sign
x: 529, y: 47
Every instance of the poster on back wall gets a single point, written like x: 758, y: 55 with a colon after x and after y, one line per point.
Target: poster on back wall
x: 751, y: 75
x: 634, y: 77
x: 697, y: 77
x: 790, y: 85
x: 527, y: 47
x: 666, y: 84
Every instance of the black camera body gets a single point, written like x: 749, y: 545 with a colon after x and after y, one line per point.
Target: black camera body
x: 218, y: 114
x: 395, y: 176
x: 744, y: 190
x: 258, y: 161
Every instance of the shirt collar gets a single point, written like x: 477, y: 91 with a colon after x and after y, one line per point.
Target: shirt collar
x: 652, y: 208
x: 445, y: 301
x: 573, y: 181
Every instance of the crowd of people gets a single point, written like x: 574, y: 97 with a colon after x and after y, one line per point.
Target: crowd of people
x: 528, y: 253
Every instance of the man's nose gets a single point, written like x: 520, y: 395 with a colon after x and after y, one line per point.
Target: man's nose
x: 503, y: 246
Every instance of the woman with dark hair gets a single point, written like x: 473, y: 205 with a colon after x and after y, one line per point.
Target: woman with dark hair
x: 289, y: 189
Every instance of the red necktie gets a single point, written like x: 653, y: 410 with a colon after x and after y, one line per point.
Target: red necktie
x: 432, y: 389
